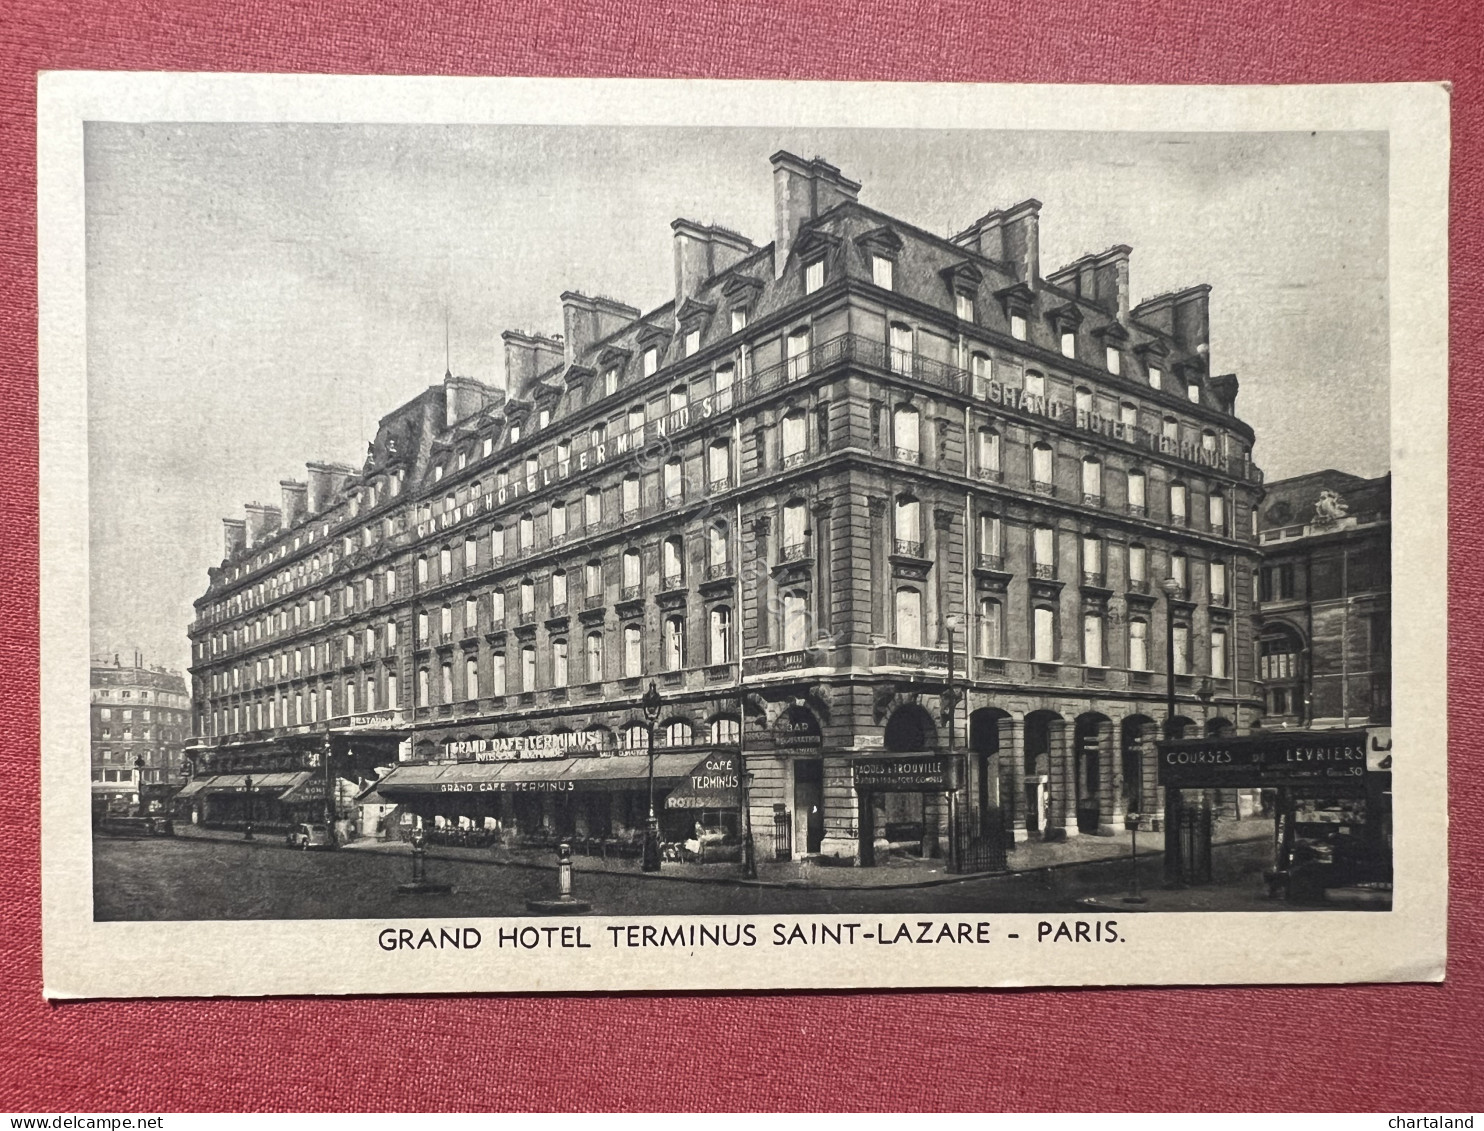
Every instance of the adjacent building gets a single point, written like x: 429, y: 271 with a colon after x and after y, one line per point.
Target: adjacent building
x: 141, y: 722
x: 902, y: 496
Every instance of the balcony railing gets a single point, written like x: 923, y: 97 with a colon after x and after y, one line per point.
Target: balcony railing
x: 992, y: 561
x: 717, y: 486
x: 593, y: 601
x: 631, y: 592
x: 794, y: 459
x: 1221, y: 600
x: 1138, y: 509
x: 1041, y: 487
x: 1179, y: 593
x: 1043, y: 572
x: 906, y: 547
x: 672, y: 581
x: 1138, y: 585
x: 718, y: 570
x: 991, y: 474
x: 907, y: 455
x: 557, y: 610
x: 627, y: 517
x: 793, y: 552
x: 1091, y: 500
x: 1094, y: 579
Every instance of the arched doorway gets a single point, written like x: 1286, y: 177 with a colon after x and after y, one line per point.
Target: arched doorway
x: 910, y: 730
x: 1038, y: 769
x: 1217, y: 727
x: 984, y: 746
x: 1131, y: 736
x: 905, y: 822
x: 798, y: 732
x: 1088, y: 735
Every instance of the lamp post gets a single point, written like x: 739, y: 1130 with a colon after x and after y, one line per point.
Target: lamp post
x: 139, y: 780
x: 1174, y: 868
x: 652, y: 705
x: 247, y: 788
x: 744, y: 782
x: 951, y: 623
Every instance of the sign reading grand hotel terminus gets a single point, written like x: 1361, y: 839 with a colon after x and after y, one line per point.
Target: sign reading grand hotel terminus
x: 871, y: 543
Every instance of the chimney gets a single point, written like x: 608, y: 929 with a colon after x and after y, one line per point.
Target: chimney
x: 586, y: 321
x: 325, y: 479
x: 527, y: 356
x: 295, y: 501
x: 1110, y: 280
x: 702, y: 251
x: 1022, y: 241
x: 464, y: 397
x: 1183, y: 315
x: 235, y: 532
x: 986, y: 236
x: 262, y: 522
x: 802, y: 190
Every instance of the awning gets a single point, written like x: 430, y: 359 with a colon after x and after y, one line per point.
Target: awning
x: 237, y: 783
x: 554, y: 775
x: 311, y: 787
x: 712, y: 783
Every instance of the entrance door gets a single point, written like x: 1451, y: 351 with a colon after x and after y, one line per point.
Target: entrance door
x: 809, y: 801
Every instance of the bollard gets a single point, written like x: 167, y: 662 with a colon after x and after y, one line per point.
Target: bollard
x: 563, y: 904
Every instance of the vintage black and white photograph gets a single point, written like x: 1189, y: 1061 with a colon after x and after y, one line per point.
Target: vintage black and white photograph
x: 755, y: 523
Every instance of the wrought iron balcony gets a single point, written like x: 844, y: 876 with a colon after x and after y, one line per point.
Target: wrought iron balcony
x: 908, y: 455
x: 672, y: 581
x: 992, y: 561
x: 1095, y: 579
x: 719, y: 570
x: 631, y: 592
x: 1043, y: 572
x: 1042, y: 487
x: 793, y: 552
x: 906, y: 547
x: 795, y: 459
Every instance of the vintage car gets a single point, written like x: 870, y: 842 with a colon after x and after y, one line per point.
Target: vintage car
x: 308, y: 836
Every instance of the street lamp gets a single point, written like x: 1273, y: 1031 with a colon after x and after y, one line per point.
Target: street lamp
x: 951, y: 622
x: 247, y: 788
x: 139, y: 780
x: 652, y: 703
x: 1174, y: 866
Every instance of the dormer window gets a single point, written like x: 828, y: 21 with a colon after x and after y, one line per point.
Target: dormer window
x: 881, y: 268
x: 1193, y: 393
x: 544, y: 419
x: 1068, y: 343
x: 963, y: 307
x: 515, y: 433
x: 489, y: 445
x: 1017, y: 327
x: 1156, y: 377
x: 813, y: 276
x: 651, y: 361
x: 610, y: 381
x: 1114, y: 359
x: 692, y: 342
x: 739, y: 321
x: 437, y: 473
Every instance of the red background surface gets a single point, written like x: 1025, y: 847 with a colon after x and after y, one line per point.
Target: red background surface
x: 1371, y: 1047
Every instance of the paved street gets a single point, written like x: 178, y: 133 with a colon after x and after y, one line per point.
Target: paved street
x: 184, y: 878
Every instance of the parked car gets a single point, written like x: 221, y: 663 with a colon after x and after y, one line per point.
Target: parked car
x: 307, y: 836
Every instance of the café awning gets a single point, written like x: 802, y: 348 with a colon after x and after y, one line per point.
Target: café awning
x: 237, y: 783
x: 556, y: 775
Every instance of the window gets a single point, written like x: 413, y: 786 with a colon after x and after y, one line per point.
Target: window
x: 1044, y: 622
x: 635, y: 420
x: 677, y: 733
x: 1136, y: 491
x: 795, y: 437
x: 901, y: 348
x: 813, y: 276
x: 597, y: 434
x: 674, y: 643
x: 1128, y: 415
x: 559, y: 663
x: 719, y: 463
x: 991, y: 628
x: 1138, y: 566
x: 692, y: 342
x: 721, y: 635
x: 1182, y: 649
x: 1217, y: 507
x: 739, y: 321
x: 795, y: 621
x: 1170, y: 429
x: 1180, y: 571
x: 528, y: 668
x: 795, y: 526
x: 629, y: 495
x: 1035, y: 383
x: 497, y: 606
x: 881, y: 271
x: 422, y: 690
x: 592, y: 507
x: 633, y: 576
x: 679, y: 398
x: 558, y: 520
x: 1156, y: 377
x: 651, y: 361
x: 471, y: 678
x: 1114, y: 359
x: 673, y: 480
x: 1017, y: 327
x: 527, y: 598
x: 907, y: 525
x: 989, y: 452
x: 1092, y: 479
x: 906, y: 434
x: 593, y: 664
x: 610, y: 382
x: 909, y: 617
x: 445, y: 621
x: 1179, y: 497
x: 445, y: 562
x: 422, y: 571
x: 1218, y: 653
x: 963, y: 307
x: 497, y: 543
x: 497, y: 673
x: 391, y: 636
x: 422, y: 627
x: 1041, y: 464
x: 633, y: 651
x: 1069, y: 343
x: 593, y: 579
x: 726, y: 731
x: 1277, y: 583
x: 1092, y: 640
x: 673, y: 561
x: 1092, y: 559
x: 1193, y: 393
x: 558, y: 590
x: 1043, y: 551
x: 1138, y: 645
x: 1218, y: 582
x: 527, y: 530
x: 798, y: 355
x: 368, y: 651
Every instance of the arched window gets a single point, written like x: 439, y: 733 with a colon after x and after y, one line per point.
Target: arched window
x: 559, y: 663
x: 909, y: 616
x: 721, y: 635
x: 471, y: 678
x: 718, y: 548
x: 629, y: 495
x: 1044, y: 624
x: 795, y: 528
x: 907, y: 526
x: 497, y: 673
x: 593, y: 581
x: 902, y: 348
x: 558, y: 591
x: 528, y: 668
x: 1041, y: 464
x: 633, y: 573
x: 592, y: 507
x: 1279, y: 666
x: 636, y: 418
x: 1137, y: 500
x: 988, y: 453
x: 633, y: 651
x: 1092, y: 480
x: 795, y: 438
x: 527, y: 530
x: 719, y: 464
x: 527, y: 597
x: 725, y: 731
x: 795, y: 621
x: 1179, y: 503
x: 991, y: 627
x: 558, y: 520
x: 798, y: 355
x: 674, y: 643
x: 677, y: 733
x: 634, y: 736
x: 1138, y: 645
x: 906, y: 434
x: 679, y: 398
x: 672, y: 559
x: 673, y: 480
x: 593, y: 663
x: 497, y: 542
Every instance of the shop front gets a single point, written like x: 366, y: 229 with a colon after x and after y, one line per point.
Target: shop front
x: 902, y: 804
x: 233, y: 801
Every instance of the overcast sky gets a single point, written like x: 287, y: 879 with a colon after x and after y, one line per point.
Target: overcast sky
x: 260, y: 295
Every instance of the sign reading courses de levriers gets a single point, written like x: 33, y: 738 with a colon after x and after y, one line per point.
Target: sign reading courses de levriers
x: 1335, y: 759
x: 523, y: 746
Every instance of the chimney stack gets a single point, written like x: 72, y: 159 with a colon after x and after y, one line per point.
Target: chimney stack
x: 295, y: 501
x: 325, y: 479
x: 1101, y: 279
x: 702, y: 251
x: 1183, y: 315
x: 586, y: 321
x: 262, y: 522
x: 802, y: 191
x: 527, y: 356
x: 1011, y: 236
x: 235, y: 532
